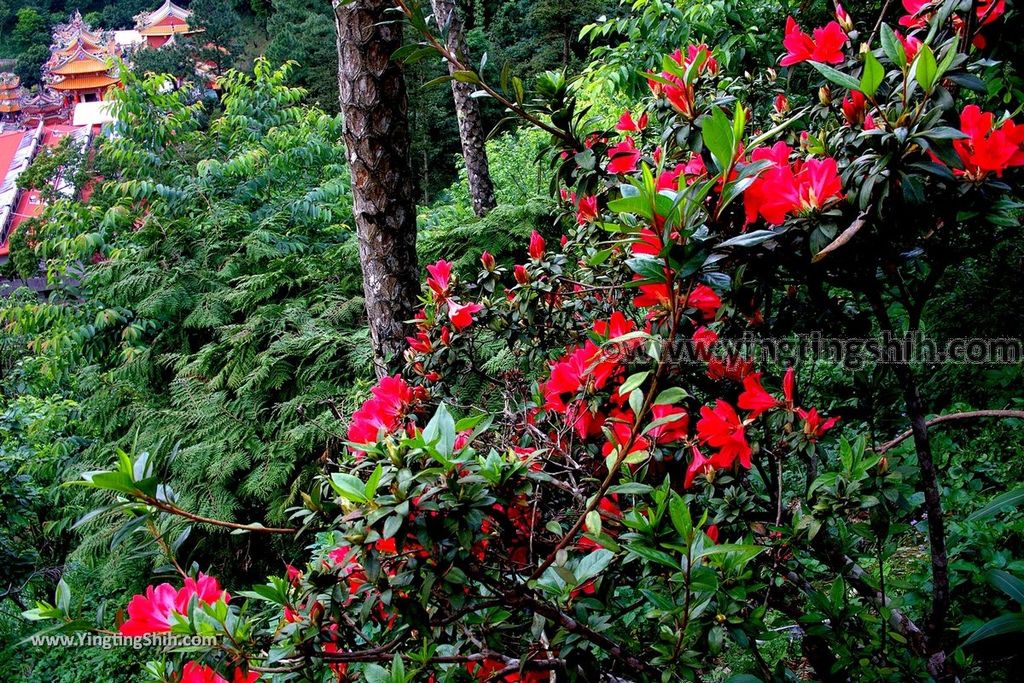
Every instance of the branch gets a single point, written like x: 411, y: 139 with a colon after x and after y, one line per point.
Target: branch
x: 172, y: 509
x: 951, y: 417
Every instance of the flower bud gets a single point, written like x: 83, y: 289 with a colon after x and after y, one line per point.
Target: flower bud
x: 536, y: 249
x: 825, y: 95
x: 487, y: 259
x: 522, y: 277
x: 781, y: 104
x: 843, y: 18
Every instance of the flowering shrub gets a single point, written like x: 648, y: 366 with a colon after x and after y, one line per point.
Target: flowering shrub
x: 635, y: 494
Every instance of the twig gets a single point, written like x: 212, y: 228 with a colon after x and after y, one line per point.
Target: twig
x: 175, y: 510
x: 951, y: 417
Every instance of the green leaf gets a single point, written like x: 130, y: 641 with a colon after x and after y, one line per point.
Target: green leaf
x: 592, y: 565
x: 892, y: 47
x: 1008, y: 583
x: 1001, y: 625
x: 1010, y: 499
x: 718, y: 137
x: 371, y: 485
x: 440, y: 431
x: 671, y: 395
x: 375, y: 673
x: 838, y: 77
x: 679, y: 511
x: 873, y: 74
x: 63, y: 596
x: 349, y: 486
x: 749, y: 239
x: 744, y: 552
x: 633, y: 382
x: 925, y: 70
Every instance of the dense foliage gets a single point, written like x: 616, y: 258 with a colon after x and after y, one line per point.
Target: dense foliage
x: 584, y: 465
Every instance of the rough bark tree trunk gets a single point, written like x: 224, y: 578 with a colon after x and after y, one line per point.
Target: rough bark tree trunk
x: 372, y: 94
x: 471, y: 127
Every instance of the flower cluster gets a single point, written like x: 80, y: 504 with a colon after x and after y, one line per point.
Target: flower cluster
x: 786, y: 188
x: 154, y: 611
x: 988, y: 148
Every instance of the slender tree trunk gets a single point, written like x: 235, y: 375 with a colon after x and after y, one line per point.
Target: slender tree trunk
x: 372, y: 95
x: 471, y: 126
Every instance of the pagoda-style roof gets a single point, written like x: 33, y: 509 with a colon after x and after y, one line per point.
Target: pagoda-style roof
x: 43, y: 102
x: 79, y: 42
x: 86, y: 82
x: 11, y: 93
x: 166, y: 20
x: 81, y: 62
x: 8, y: 81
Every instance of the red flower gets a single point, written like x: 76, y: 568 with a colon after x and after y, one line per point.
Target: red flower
x: 754, y: 398
x: 586, y: 210
x: 623, y: 435
x: 536, y: 249
x: 734, y: 368
x: 623, y: 157
x: 914, y: 18
x: 487, y: 261
x: 608, y: 508
x: 461, y: 315
x: 698, y: 465
x: 151, y: 613
x: 785, y: 188
x: 420, y: 343
x: 703, y: 339
x: 293, y: 574
x: 818, y: 183
x: 655, y: 294
x: 712, y: 532
x: 669, y: 179
x: 194, y: 672
x: 986, y: 13
x: 988, y: 149
x: 826, y: 45
x: 522, y: 277
x: 845, y: 22
x: 721, y: 428
x: 781, y: 104
x: 290, y: 615
x: 440, y: 279
x: 627, y: 124
x: 910, y: 45
x: 854, y: 108
x: 704, y: 299
x: 384, y: 411
x: 789, y: 386
x: 814, y: 427
x: 675, y: 423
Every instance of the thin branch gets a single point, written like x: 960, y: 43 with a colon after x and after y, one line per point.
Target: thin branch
x: 172, y: 509
x: 951, y: 417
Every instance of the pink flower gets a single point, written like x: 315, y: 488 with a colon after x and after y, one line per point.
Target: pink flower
x: 383, y: 412
x: 194, y: 672
x: 910, y: 44
x: 623, y: 157
x: 536, y: 249
x: 627, y: 124
x: 151, y: 612
x: 461, y: 315
x: 698, y: 465
x: 440, y: 279
x: 845, y: 22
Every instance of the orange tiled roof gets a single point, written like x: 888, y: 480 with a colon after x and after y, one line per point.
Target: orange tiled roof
x: 166, y: 30
x: 9, y: 108
x: 80, y: 63
x: 85, y: 82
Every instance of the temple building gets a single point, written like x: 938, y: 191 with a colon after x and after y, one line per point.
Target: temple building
x: 11, y: 96
x: 81, y: 62
x: 162, y: 24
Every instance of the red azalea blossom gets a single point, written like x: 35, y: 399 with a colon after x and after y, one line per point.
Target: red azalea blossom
x: 623, y: 157
x: 733, y: 367
x: 814, y: 426
x: 780, y: 104
x: 703, y: 339
x: 988, y: 148
x: 439, y: 280
x: 754, y: 397
x: 704, y: 299
x: 194, y: 672
x: 914, y: 18
x: 628, y: 125
x: 536, y: 249
x: 826, y: 46
x: 785, y: 188
x: 586, y: 210
x: 655, y: 294
x: 420, y: 343
x: 854, y: 108
x: 384, y: 411
x: 789, y: 386
x: 675, y: 422
x: 293, y: 575
x: 698, y: 465
x: 910, y: 45
x: 151, y: 612
x: 461, y: 315
x: 721, y: 428
x: 712, y: 532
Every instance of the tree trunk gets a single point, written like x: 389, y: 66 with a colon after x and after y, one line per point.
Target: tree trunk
x: 471, y: 127
x: 372, y: 95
